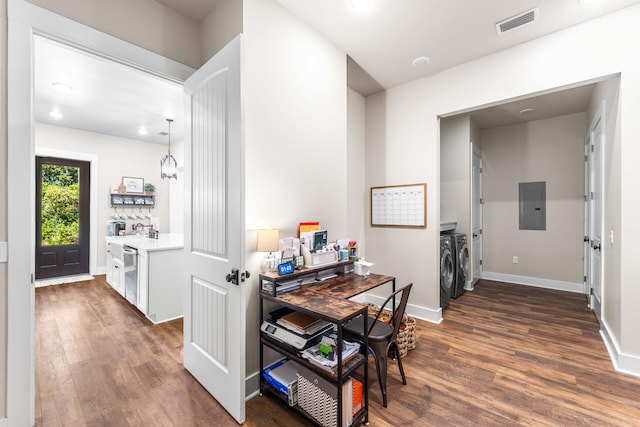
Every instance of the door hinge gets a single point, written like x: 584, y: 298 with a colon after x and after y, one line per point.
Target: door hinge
x: 585, y: 279
x: 480, y: 262
x: 585, y: 197
x: 481, y: 201
x: 590, y: 291
x: 480, y: 170
x: 586, y: 159
x: 32, y: 279
x: 591, y: 195
x: 585, y: 239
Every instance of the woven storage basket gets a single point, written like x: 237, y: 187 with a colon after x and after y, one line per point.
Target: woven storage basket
x: 406, y: 338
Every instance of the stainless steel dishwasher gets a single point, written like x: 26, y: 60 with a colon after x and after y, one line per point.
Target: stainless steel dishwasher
x: 130, y: 258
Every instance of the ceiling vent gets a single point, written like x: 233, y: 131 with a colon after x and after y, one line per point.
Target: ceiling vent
x: 517, y: 21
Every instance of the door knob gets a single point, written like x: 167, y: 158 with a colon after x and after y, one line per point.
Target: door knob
x: 233, y: 276
x: 596, y: 246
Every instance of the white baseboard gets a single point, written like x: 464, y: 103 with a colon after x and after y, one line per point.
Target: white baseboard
x: 252, y: 385
x: 624, y: 363
x: 62, y: 280
x: 535, y: 281
x: 422, y: 313
x: 4, y: 422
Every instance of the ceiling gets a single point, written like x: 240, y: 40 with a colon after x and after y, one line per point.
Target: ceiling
x: 107, y: 97
x: 381, y: 43
x: 386, y: 38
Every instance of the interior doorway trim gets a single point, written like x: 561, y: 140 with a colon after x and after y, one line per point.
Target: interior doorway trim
x: 25, y: 20
x: 93, y: 202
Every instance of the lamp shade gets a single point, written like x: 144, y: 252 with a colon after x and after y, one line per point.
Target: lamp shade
x: 268, y: 240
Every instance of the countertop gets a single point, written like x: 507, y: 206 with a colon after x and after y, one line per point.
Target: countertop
x: 164, y: 242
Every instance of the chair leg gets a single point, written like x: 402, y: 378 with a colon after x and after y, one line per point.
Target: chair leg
x: 399, y: 358
x: 380, y: 351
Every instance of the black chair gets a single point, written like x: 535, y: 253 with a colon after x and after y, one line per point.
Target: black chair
x: 381, y: 338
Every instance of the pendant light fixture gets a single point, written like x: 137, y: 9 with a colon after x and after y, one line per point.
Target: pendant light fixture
x: 168, y: 164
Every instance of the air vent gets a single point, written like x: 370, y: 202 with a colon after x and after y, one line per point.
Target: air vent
x: 163, y: 133
x: 517, y: 21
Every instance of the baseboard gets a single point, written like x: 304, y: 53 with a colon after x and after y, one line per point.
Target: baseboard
x: 4, y: 422
x: 252, y: 385
x: 422, y: 313
x: 63, y: 280
x: 535, y: 281
x: 624, y: 363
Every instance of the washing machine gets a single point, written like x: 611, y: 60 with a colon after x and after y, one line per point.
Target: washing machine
x: 461, y: 263
x: 447, y: 267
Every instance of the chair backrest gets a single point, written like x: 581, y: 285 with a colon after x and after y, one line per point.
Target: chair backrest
x: 398, y: 310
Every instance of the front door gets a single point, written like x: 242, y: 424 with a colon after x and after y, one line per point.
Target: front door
x: 476, y: 214
x: 62, y: 217
x: 214, y: 311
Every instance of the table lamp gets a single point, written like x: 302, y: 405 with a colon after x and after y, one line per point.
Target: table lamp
x: 268, y: 241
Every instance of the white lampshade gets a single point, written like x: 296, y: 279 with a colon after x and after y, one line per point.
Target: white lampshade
x: 268, y: 240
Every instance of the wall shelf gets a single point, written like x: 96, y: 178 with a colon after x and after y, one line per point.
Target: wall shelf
x: 137, y: 200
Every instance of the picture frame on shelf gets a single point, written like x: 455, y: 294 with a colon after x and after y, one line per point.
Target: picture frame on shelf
x: 133, y: 185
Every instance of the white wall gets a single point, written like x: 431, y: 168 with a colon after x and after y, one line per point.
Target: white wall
x: 356, y: 191
x: 455, y: 172
x: 403, y: 144
x: 3, y: 205
x: 145, y: 23
x: 117, y: 157
x: 550, y: 150
x: 295, y: 136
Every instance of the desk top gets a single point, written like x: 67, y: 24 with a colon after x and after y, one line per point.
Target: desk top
x: 329, y: 299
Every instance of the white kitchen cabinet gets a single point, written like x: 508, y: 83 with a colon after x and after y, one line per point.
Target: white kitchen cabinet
x: 160, y: 271
x: 143, y: 281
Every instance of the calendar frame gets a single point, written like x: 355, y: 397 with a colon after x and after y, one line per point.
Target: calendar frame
x: 379, y: 197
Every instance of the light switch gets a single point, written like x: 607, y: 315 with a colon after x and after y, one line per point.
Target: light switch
x: 3, y: 251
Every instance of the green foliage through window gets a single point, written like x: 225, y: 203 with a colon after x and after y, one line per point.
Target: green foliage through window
x: 60, y: 205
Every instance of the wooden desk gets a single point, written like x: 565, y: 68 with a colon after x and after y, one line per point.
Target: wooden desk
x: 328, y: 300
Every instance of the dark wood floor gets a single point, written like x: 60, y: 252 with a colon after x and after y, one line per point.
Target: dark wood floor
x: 505, y: 355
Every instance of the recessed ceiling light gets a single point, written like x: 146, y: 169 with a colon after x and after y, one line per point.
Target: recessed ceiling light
x: 142, y: 130
x: 421, y: 60
x: 527, y: 110
x: 62, y: 87
x: 362, y: 5
x: 167, y: 115
x: 56, y: 115
x: 587, y: 1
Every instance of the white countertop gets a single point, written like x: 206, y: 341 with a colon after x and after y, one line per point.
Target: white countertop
x: 164, y: 242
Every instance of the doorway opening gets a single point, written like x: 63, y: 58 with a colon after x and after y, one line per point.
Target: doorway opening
x: 509, y: 254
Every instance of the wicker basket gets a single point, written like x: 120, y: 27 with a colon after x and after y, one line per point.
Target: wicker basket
x: 406, y: 338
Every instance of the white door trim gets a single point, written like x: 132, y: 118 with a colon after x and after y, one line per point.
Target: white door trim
x: 25, y: 20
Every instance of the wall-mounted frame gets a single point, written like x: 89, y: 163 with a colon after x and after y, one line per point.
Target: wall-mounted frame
x: 133, y: 185
x: 399, y: 206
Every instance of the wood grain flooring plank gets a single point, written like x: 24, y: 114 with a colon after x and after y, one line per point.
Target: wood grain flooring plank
x: 505, y: 355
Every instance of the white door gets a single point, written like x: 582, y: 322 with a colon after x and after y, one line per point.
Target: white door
x: 214, y: 311
x: 596, y: 214
x: 476, y: 214
x: 587, y: 215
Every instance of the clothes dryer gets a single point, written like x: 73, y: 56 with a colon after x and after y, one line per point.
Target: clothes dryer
x: 461, y: 254
x: 446, y: 270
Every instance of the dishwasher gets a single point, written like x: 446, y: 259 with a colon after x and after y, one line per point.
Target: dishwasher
x: 130, y: 260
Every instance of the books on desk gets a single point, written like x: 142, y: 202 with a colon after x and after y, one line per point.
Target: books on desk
x: 302, y: 323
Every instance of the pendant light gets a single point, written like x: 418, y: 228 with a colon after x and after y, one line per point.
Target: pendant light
x: 168, y: 164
